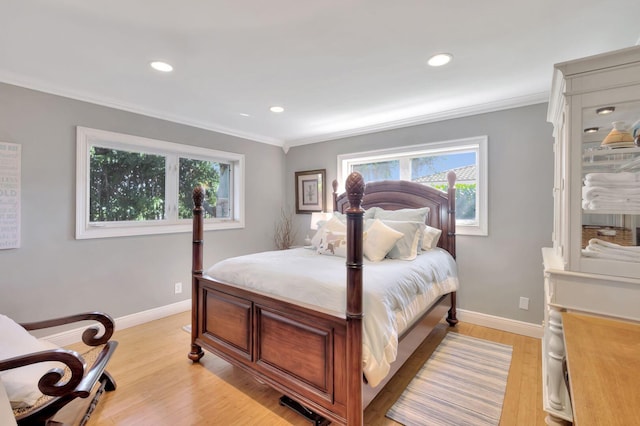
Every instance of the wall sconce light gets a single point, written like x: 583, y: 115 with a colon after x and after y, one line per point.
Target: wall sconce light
x: 591, y: 129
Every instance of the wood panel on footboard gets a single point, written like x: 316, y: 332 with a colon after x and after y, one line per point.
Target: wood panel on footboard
x: 310, y: 356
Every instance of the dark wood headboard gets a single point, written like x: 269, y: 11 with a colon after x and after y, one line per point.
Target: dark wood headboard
x: 401, y: 194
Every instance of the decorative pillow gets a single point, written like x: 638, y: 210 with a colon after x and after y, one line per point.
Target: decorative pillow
x: 334, y: 224
x: 409, y: 215
x: 431, y: 237
x: 333, y: 243
x: 342, y: 217
x: 21, y: 383
x: 407, y: 247
x: 380, y: 239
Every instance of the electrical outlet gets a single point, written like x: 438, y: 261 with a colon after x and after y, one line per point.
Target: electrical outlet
x: 524, y: 303
x: 177, y: 288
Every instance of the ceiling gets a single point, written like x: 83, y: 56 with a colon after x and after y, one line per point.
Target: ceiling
x: 338, y: 67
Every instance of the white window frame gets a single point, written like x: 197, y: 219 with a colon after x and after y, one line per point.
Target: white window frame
x: 479, y: 144
x: 87, y: 138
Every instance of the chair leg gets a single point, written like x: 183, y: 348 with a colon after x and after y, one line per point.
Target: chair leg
x: 107, y: 383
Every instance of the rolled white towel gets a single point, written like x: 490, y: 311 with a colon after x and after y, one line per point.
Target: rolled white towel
x: 598, y: 244
x: 610, y: 256
x: 606, y: 250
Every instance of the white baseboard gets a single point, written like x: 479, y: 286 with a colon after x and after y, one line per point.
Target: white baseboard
x: 73, y: 336
x: 500, y: 323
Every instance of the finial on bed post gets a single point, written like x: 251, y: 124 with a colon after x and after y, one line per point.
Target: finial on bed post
x: 196, y: 269
x: 355, y: 188
x: 334, y: 185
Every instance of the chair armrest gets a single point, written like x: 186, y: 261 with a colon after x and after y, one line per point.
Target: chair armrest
x: 80, y: 383
x: 50, y: 383
x: 95, y: 372
x: 89, y: 335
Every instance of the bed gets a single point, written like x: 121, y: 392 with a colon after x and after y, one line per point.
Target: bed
x: 314, y: 354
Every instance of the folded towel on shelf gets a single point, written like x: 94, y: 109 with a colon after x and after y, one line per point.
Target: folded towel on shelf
x: 601, y: 192
x: 606, y: 250
x: 620, y: 206
x: 621, y: 177
x: 612, y: 185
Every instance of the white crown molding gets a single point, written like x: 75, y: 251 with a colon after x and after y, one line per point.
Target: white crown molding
x: 70, y: 337
x: 499, y: 323
x: 499, y: 105
x: 111, y: 103
x: 493, y: 106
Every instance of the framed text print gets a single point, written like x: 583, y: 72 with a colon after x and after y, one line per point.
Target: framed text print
x: 9, y: 195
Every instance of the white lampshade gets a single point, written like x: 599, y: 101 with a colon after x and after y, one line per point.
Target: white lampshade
x: 318, y: 216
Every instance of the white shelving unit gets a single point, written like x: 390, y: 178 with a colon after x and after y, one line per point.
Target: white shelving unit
x: 572, y: 281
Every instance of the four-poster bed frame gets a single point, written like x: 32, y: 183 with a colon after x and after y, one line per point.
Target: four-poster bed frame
x: 310, y: 356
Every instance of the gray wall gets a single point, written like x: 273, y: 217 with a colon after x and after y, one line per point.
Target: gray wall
x: 53, y: 274
x: 495, y: 271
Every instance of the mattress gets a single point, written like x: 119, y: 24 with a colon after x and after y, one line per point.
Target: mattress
x: 395, y: 292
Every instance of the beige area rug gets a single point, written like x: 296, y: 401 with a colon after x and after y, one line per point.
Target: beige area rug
x: 462, y: 383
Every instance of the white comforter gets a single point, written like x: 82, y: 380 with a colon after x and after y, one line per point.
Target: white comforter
x: 391, y: 289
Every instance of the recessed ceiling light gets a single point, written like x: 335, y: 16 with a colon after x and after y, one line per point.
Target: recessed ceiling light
x: 605, y: 110
x: 276, y: 109
x: 161, y: 66
x: 440, y: 59
x: 244, y: 114
x: 591, y: 129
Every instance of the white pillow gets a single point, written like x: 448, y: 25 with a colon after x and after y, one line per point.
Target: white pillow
x: 368, y: 214
x: 410, y: 215
x: 407, y: 247
x: 21, y: 383
x: 431, y: 237
x: 333, y: 243
x: 334, y: 224
x: 380, y: 239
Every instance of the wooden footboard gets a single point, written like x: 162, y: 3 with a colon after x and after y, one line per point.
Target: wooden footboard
x: 300, y: 352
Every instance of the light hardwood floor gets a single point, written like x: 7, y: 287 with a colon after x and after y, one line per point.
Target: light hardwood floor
x: 159, y: 385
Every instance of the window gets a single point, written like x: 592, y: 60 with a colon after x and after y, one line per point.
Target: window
x: 128, y: 185
x: 428, y: 164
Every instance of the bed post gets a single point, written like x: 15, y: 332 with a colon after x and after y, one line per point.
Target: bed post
x: 452, y: 317
x: 355, y: 191
x: 196, y: 270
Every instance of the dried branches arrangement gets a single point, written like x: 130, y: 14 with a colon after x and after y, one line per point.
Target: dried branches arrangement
x: 284, y: 235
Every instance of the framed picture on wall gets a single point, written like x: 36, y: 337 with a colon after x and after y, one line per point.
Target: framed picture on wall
x: 310, y: 191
